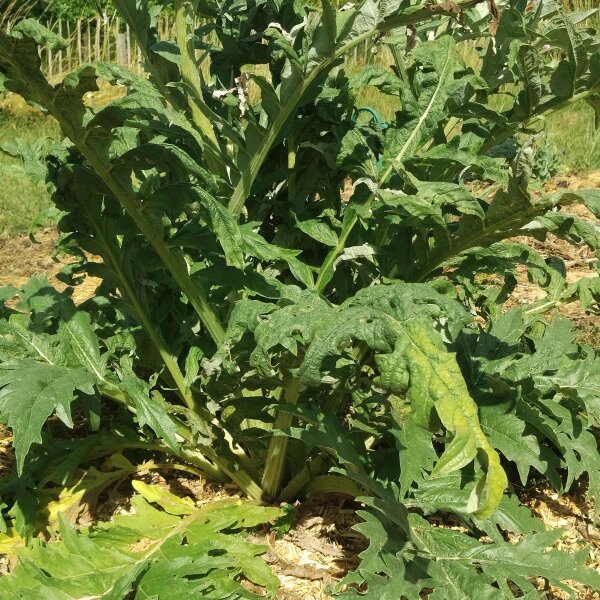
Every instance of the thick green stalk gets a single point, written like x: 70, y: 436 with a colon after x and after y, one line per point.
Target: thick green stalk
x: 507, y: 133
x: 127, y: 289
x: 276, y: 454
x: 302, y: 478
x: 207, y: 459
x: 326, y: 270
x: 244, y: 186
x: 333, y: 484
x: 506, y: 226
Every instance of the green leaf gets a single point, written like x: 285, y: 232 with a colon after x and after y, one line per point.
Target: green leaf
x: 506, y: 432
x: 151, y: 410
x: 31, y: 392
x: 417, y: 455
x: 452, y: 565
x: 150, y: 554
x: 429, y: 108
x: 255, y: 245
x: 356, y: 156
x: 528, y: 63
x: 76, y: 332
x: 318, y: 230
x: 576, y: 379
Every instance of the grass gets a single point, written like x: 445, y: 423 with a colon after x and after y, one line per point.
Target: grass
x: 574, y: 134
x: 21, y: 200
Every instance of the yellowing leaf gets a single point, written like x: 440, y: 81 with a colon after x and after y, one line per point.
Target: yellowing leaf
x: 10, y: 542
x: 167, y: 500
x: 436, y: 381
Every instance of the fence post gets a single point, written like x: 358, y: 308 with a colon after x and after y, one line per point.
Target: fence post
x: 97, y: 40
x: 88, y: 41
x: 79, y: 44
x: 69, y: 53
x: 128, y: 44
x: 121, y: 45
x: 60, y: 55
x: 106, y: 39
x: 49, y: 50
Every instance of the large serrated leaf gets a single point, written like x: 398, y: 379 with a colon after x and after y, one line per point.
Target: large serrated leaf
x: 32, y: 391
x: 150, y: 554
x: 410, y: 356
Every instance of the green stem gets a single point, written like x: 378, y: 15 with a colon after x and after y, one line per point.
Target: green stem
x: 333, y: 484
x: 400, y: 64
x: 192, y: 76
x: 511, y: 131
x: 326, y: 271
x: 213, y: 465
x: 505, y: 227
x: 127, y: 289
x: 294, y: 487
x: 276, y: 454
x: 174, y: 265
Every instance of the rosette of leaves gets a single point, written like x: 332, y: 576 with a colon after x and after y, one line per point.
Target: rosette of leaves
x: 288, y: 295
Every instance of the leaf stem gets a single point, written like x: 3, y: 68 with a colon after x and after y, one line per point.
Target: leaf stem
x: 127, y: 289
x: 191, y: 75
x: 408, y: 16
x: 276, y: 453
x: 333, y: 484
x: 510, y: 131
x: 294, y: 487
x: 207, y: 459
x: 505, y: 227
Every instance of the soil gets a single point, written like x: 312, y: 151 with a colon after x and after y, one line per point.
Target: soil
x: 23, y: 257
x: 322, y: 546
